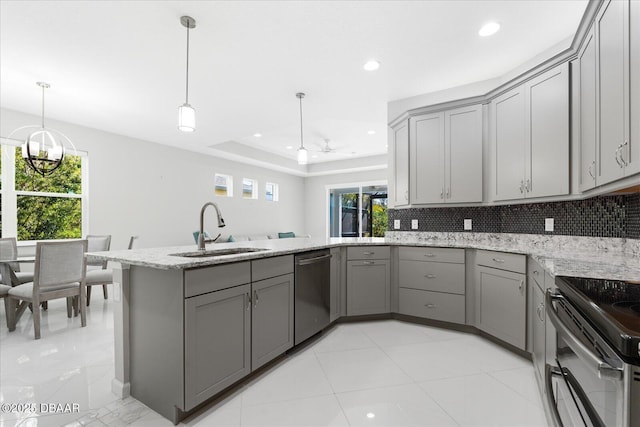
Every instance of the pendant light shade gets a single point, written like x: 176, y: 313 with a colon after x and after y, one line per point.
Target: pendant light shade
x: 303, y: 154
x: 186, y: 113
x: 44, y: 148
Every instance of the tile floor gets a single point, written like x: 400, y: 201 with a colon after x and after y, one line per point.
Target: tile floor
x: 384, y: 373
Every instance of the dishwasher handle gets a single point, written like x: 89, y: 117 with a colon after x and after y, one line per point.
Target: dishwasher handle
x: 307, y: 261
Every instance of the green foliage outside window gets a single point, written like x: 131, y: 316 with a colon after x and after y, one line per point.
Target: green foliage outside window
x: 380, y: 217
x: 49, y: 217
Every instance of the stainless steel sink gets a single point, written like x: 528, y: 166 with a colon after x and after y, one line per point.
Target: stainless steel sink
x: 218, y: 252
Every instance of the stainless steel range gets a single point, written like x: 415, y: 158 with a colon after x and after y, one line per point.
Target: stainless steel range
x: 596, y: 379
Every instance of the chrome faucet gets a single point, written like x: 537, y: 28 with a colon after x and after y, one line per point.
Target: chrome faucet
x: 201, y: 240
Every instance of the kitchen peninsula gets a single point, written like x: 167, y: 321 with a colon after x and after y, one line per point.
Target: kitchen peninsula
x: 161, y: 361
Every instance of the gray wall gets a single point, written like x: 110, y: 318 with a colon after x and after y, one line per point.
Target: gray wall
x: 154, y: 191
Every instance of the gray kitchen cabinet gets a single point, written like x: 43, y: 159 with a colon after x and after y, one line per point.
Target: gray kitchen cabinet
x: 537, y: 315
x: 530, y: 133
x: 446, y: 156
x: 633, y: 149
x: 432, y: 283
x: 271, y: 319
x: 400, y: 163
x: 500, y: 298
x: 217, y: 342
x: 368, y: 280
x: 335, y: 288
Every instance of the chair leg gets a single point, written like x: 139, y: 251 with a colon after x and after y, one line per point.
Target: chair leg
x: 69, y: 306
x: 83, y: 305
x: 36, y: 318
x: 11, y: 313
x: 104, y: 291
x: 7, y: 307
x: 88, y: 295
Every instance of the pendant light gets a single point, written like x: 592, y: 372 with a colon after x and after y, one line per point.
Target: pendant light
x: 302, y: 152
x: 186, y: 113
x: 43, y: 149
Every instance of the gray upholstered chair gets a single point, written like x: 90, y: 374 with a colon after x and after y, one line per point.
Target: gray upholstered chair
x: 59, y: 272
x: 97, y: 271
x: 9, y: 250
x: 4, y: 294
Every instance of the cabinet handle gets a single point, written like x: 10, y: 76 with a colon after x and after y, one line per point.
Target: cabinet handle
x: 592, y: 165
x: 368, y: 262
x: 618, y: 155
x: 521, y: 285
x: 536, y: 273
x: 540, y: 310
x: 448, y: 193
x: 442, y: 194
x: 521, y: 186
x: 498, y: 260
x: 430, y: 276
x: 406, y: 195
x: 430, y: 255
x: 430, y: 305
x: 622, y: 154
x: 248, y: 300
x: 528, y: 186
x: 255, y: 299
x: 368, y: 253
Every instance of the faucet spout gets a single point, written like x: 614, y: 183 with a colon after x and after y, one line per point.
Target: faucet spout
x: 201, y: 239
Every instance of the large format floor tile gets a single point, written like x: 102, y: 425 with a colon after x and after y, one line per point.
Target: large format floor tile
x: 384, y: 373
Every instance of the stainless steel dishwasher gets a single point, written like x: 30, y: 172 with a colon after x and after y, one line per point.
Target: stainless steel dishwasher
x: 312, y: 276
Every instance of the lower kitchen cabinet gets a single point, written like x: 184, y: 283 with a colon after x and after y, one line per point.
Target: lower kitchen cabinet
x: 368, y: 287
x: 501, y: 303
x: 432, y: 305
x: 271, y: 319
x: 217, y: 340
x: 335, y: 287
x: 538, y: 332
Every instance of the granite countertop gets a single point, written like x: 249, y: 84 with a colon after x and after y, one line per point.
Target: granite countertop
x: 605, y: 258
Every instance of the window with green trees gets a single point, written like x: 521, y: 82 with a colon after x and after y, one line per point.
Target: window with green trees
x: 41, y: 208
x: 358, y: 211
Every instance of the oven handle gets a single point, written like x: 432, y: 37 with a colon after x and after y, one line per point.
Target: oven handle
x: 602, y: 368
x: 549, y: 371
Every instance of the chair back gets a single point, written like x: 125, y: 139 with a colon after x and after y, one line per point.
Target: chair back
x: 59, y: 263
x: 98, y: 244
x: 9, y: 250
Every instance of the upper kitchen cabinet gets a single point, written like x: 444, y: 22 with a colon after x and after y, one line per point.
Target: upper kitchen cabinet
x: 530, y: 135
x: 605, y: 69
x: 399, y: 149
x: 445, y: 153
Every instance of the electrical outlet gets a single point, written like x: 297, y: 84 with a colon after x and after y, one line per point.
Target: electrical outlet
x: 414, y: 224
x: 396, y: 224
x: 548, y: 224
x: 467, y: 224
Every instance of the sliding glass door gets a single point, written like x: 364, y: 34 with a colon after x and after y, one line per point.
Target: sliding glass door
x: 358, y: 211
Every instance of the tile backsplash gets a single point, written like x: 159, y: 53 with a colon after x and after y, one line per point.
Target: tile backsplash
x: 602, y: 216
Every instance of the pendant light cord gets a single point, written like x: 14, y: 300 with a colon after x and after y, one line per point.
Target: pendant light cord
x: 187, y: 84
x: 301, y: 134
x: 43, y: 87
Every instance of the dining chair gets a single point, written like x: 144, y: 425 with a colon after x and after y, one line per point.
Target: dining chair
x: 59, y: 272
x: 9, y: 250
x: 103, y: 275
x: 4, y: 294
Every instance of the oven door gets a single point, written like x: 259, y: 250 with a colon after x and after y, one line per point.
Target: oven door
x: 586, y: 386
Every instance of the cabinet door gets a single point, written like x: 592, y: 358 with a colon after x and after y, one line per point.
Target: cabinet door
x: 586, y: 109
x: 335, y: 287
x: 427, y: 158
x: 633, y: 150
x: 463, y: 155
x: 400, y: 147
x: 217, y: 342
x: 547, y: 155
x: 613, y: 78
x: 271, y: 319
x: 509, y: 139
x: 368, y: 287
x: 537, y: 316
x: 501, y: 305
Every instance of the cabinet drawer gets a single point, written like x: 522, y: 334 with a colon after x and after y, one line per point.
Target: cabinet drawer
x: 502, y: 260
x: 536, y: 273
x: 432, y: 254
x: 202, y: 280
x: 368, y: 252
x: 432, y: 276
x: 271, y: 267
x: 432, y: 305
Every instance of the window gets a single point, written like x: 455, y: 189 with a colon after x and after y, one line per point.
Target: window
x: 223, y: 185
x: 271, y: 192
x: 249, y: 188
x: 358, y: 211
x: 42, y: 208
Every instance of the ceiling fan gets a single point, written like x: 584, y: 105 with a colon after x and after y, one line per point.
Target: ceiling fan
x: 326, y: 148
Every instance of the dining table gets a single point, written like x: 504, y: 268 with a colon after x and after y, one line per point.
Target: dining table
x: 9, y: 278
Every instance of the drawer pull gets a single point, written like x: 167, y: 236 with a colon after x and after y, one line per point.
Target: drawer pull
x: 368, y: 262
x: 248, y: 300
x: 498, y: 260
x: 430, y: 305
x: 430, y: 255
x: 430, y: 276
x: 536, y: 273
x: 368, y: 253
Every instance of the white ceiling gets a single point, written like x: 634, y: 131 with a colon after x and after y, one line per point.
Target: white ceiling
x: 119, y: 66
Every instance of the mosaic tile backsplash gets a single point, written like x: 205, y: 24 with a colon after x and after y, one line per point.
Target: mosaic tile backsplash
x: 602, y: 216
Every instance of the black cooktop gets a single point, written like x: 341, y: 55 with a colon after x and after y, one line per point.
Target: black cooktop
x: 612, y: 307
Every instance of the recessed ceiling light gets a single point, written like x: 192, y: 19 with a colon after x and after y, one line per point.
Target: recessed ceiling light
x: 257, y: 135
x: 371, y: 65
x: 372, y: 132
x: 489, y: 29
x: 315, y: 156
x: 289, y: 147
